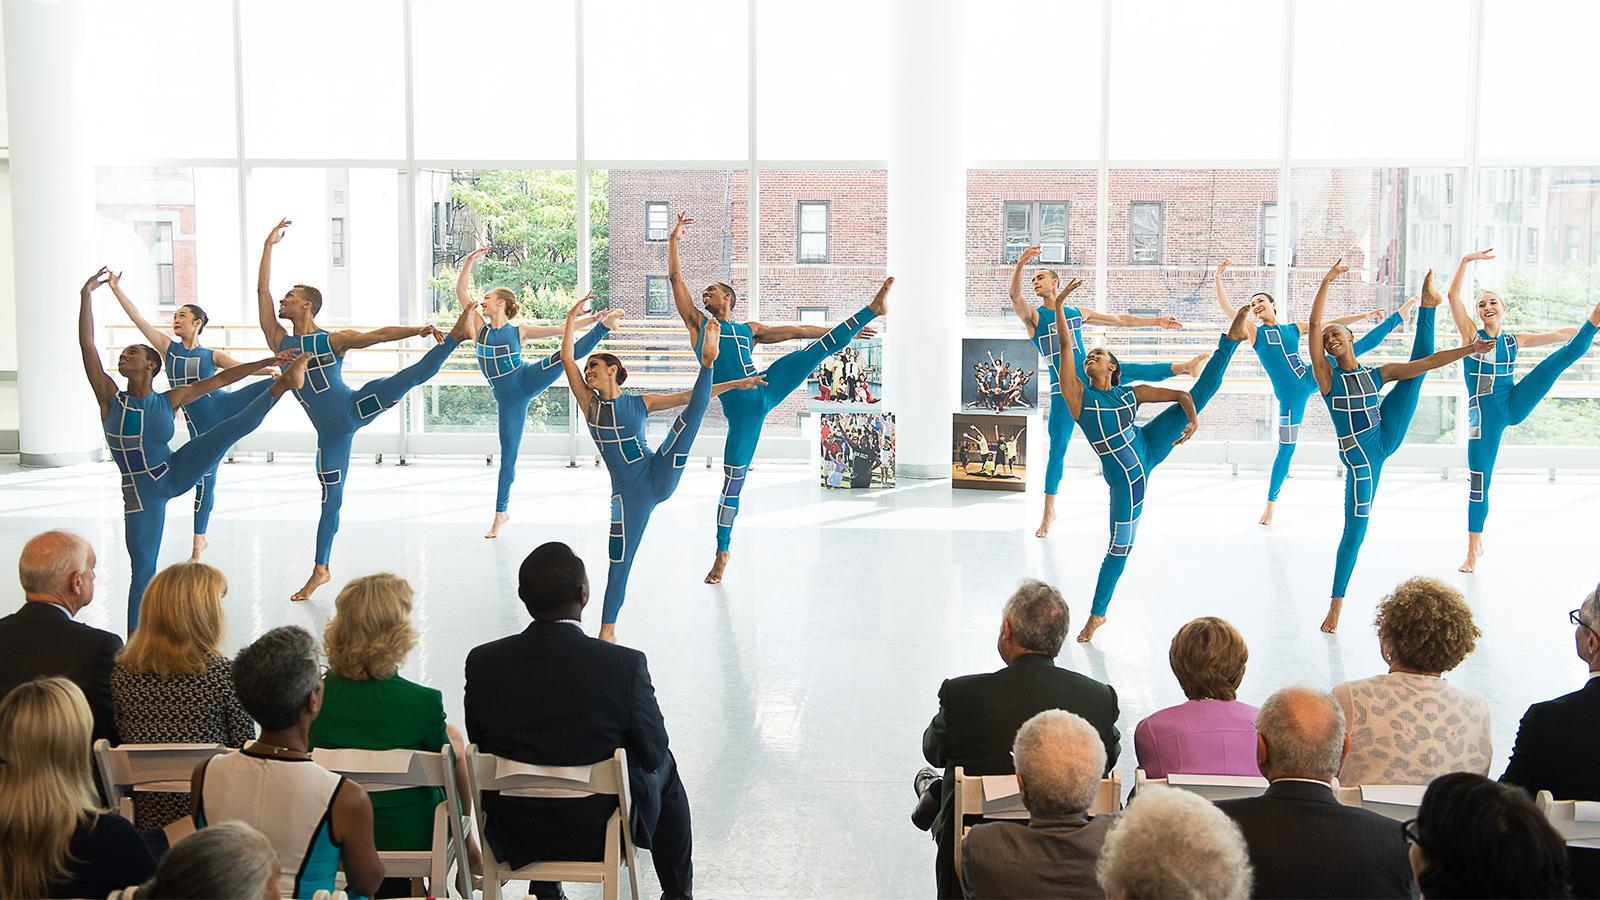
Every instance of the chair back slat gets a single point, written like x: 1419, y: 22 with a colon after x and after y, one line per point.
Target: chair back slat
x: 1563, y: 816
x: 387, y: 770
x: 129, y: 768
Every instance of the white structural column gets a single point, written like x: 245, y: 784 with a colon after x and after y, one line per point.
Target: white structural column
x: 927, y: 224
x: 52, y: 214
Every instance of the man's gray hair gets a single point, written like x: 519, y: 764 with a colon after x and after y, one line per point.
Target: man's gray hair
x: 229, y: 859
x: 275, y: 674
x: 48, y: 559
x: 1174, y: 843
x: 1589, y: 611
x: 1060, y: 758
x: 1303, y: 729
x: 1038, y: 617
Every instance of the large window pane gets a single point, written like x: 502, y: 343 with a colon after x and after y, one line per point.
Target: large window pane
x: 1171, y: 61
x: 173, y: 233
x: 335, y: 90
x: 823, y: 77
x: 1027, y: 98
x: 157, y: 64
x: 1538, y: 56
x: 648, y: 95
x: 1353, y: 62
x: 476, y: 102
x: 1009, y: 210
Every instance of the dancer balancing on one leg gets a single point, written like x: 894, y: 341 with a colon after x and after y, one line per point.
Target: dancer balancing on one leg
x: 641, y: 478
x: 1496, y: 400
x: 1369, y: 430
x: 188, y: 362
x: 747, y: 409
x: 1093, y: 392
x: 336, y: 411
x: 1277, y: 346
x: 514, y: 381
x: 1040, y: 322
x: 138, y: 425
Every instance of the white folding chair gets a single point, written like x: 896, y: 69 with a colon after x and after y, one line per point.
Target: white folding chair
x: 607, y: 777
x: 393, y: 770
x: 127, y: 769
x: 1577, y: 821
x: 1395, y: 801
x: 1211, y: 787
x: 1000, y: 797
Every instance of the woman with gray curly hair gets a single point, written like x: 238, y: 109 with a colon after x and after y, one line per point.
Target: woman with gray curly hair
x: 1174, y: 844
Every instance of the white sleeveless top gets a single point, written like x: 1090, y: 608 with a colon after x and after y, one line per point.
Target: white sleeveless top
x: 288, y: 800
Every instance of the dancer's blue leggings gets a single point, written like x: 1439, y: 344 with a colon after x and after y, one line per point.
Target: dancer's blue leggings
x: 1365, y: 453
x: 187, y: 466
x: 203, y: 414
x: 1059, y: 424
x: 747, y: 410
x: 1128, y: 470
x: 513, y: 393
x: 1497, y: 412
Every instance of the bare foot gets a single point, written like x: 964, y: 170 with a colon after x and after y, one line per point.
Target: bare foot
x: 500, y: 518
x: 709, y: 340
x: 1266, y: 514
x: 1089, y: 628
x: 880, y: 302
x: 293, y: 377
x: 1331, y: 623
x: 319, y: 577
x: 1239, y: 329
x: 1049, y: 517
x: 608, y: 633
x: 199, y: 548
x: 715, y: 575
x: 1192, y: 366
x: 1474, y: 550
x: 463, y: 331
x: 1430, y: 294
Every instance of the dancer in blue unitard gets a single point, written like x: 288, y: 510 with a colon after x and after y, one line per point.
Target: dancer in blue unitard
x: 1094, y: 394
x: 1040, y: 322
x: 335, y: 410
x: 1277, y: 346
x: 1369, y: 430
x: 746, y: 410
x: 513, y: 380
x: 188, y: 362
x: 641, y: 478
x: 138, y: 425
x: 1496, y: 400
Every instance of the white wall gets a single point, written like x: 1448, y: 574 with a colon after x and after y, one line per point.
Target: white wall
x: 8, y: 290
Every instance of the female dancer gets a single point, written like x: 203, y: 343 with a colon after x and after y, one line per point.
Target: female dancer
x: 1495, y: 400
x: 1277, y: 346
x: 514, y: 382
x: 188, y: 362
x: 1092, y: 391
x: 1040, y: 323
x: 138, y: 426
x: 1369, y: 431
x: 641, y: 478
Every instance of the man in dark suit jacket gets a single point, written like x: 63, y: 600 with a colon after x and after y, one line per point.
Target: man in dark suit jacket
x: 553, y: 696
x: 979, y: 715
x: 1303, y: 842
x: 1558, y: 744
x: 42, y: 638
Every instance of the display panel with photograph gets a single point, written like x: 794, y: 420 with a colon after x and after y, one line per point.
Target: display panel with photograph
x: 989, y: 452
x: 857, y: 450
x: 853, y: 376
x: 999, y: 375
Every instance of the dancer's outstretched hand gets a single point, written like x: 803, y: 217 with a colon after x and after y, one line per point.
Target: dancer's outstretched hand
x: 1476, y: 255
x: 431, y: 331
x: 1072, y: 285
x: 1028, y: 255
x: 278, y: 231
x: 677, y: 227
x: 1374, y: 315
x: 1171, y: 323
x: 285, y: 357
x: 867, y: 333
x: 1482, y: 345
x: 1337, y: 269
x: 609, y: 317
x: 1188, y: 432
x: 579, y: 308
x: 98, y: 278
x: 749, y: 381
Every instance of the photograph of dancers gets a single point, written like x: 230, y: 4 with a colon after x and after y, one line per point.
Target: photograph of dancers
x: 997, y: 375
x: 989, y: 452
x: 854, y: 375
x: 857, y: 450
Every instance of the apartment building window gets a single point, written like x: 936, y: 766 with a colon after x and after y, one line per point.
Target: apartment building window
x: 1027, y: 223
x: 1533, y: 245
x: 336, y: 242
x: 1449, y: 188
x: 812, y: 315
x: 657, y: 296
x: 813, y: 229
x: 656, y: 226
x: 157, y: 238
x: 1574, y: 241
x: 1144, y: 233
x: 1449, y: 240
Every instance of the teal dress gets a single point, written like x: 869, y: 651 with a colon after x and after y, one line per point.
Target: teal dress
x: 387, y: 714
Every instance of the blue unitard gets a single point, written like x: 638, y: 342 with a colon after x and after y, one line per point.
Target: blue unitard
x: 1129, y: 453
x: 185, y: 367
x: 514, y: 383
x: 747, y: 409
x: 1278, y: 349
x: 337, y: 413
x: 1495, y: 402
x: 1058, y: 421
x: 640, y: 478
x: 1369, y: 431
x: 139, y: 432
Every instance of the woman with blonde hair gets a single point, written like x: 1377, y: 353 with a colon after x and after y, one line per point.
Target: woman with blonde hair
x: 172, y: 684
x: 55, y: 840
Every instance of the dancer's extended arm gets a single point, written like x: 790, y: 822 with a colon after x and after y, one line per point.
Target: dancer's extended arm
x: 1227, y: 308
x: 104, y: 388
x: 1375, y: 335
x: 464, y: 277
x: 1402, y: 371
x: 1458, y: 306
x: 154, y: 335
x: 1066, y: 366
x: 179, y: 396
x: 1541, y: 338
x: 681, y: 298
x: 774, y: 334
x: 1321, y: 367
x: 344, y: 341
x: 1149, y: 393
x: 1019, y: 301
x: 270, y: 328
x: 675, y: 399
x: 531, y: 332
x: 581, y: 392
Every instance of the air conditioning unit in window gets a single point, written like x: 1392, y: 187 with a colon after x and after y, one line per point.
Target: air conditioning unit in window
x: 1269, y: 256
x: 1052, y: 253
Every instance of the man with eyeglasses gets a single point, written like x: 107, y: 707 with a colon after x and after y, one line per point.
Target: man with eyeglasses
x: 1558, y: 742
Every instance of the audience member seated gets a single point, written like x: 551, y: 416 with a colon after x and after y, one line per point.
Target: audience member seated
x: 55, y: 840
x: 368, y: 706
x: 979, y: 715
x: 1303, y: 842
x: 1213, y: 733
x: 1475, y: 838
x: 42, y: 639
x: 1059, y: 763
x: 1410, y: 725
x: 171, y: 684
x: 1558, y: 743
x: 228, y: 861
x: 316, y: 821
x: 551, y: 695
x: 1173, y: 844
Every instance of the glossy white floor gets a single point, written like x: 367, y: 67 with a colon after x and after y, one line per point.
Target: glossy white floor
x: 797, y: 692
